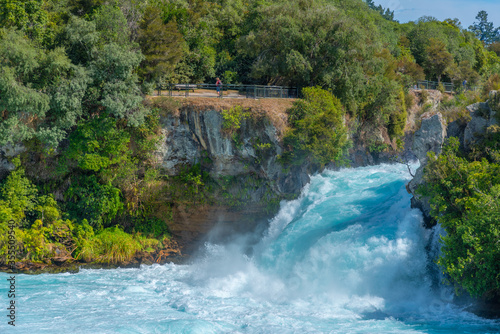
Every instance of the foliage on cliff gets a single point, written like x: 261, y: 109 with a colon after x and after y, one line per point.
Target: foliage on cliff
x: 317, y: 134
x: 42, y: 232
x: 76, y: 59
x: 465, y: 199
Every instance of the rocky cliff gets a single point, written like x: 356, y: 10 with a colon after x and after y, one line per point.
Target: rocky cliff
x: 433, y: 132
x: 247, y: 179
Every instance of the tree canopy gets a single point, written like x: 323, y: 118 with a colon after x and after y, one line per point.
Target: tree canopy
x: 77, y: 58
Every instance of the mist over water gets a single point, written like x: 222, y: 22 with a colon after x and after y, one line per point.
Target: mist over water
x: 348, y: 256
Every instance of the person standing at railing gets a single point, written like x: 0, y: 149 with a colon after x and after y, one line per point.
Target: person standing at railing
x: 218, y: 86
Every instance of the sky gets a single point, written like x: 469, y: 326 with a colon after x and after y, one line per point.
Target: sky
x: 464, y: 10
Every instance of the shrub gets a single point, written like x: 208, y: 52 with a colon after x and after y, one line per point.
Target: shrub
x: 318, y: 133
x: 409, y: 100
x: 98, y: 144
x: 148, y: 244
x: 165, y: 105
x: 233, y: 119
x: 18, y: 192
x: 493, y: 83
x: 397, y: 120
x: 151, y: 227
x: 424, y: 96
x: 441, y: 88
x: 35, y: 243
x: 91, y: 200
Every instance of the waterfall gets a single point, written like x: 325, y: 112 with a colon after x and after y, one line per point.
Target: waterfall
x: 348, y: 256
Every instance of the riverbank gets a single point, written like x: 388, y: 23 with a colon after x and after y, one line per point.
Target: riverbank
x: 71, y: 265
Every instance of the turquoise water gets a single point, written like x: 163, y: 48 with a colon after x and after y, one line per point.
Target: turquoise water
x: 348, y: 256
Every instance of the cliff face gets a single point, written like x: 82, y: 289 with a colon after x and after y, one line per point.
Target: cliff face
x: 196, y: 135
x: 433, y: 132
x: 193, y: 137
x: 247, y: 180
x: 248, y: 158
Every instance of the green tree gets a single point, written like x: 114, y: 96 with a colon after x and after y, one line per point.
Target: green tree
x: 199, y: 30
x: 85, y: 7
x: 29, y: 16
x: 463, y: 71
x: 112, y: 25
x: 41, y: 92
x: 20, y: 103
x: 115, y: 84
x: 483, y: 29
x: 18, y: 193
x: 495, y: 47
x: 386, y: 13
x: 97, y: 144
x: 161, y: 44
x: 438, y: 58
x: 316, y: 43
x: 459, y: 43
x: 88, y: 199
x: 80, y: 39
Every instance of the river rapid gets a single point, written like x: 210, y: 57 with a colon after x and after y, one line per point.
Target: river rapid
x: 348, y: 256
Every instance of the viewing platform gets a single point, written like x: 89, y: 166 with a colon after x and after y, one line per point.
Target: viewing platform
x: 227, y: 91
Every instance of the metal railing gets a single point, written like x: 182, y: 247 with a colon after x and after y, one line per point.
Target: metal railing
x: 247, y: 91
x: 448, y: 86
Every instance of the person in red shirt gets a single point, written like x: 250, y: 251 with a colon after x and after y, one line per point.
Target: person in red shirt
x: 218, y: 85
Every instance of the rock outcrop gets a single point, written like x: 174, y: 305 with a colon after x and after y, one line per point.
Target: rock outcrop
x: 433, y: 132
x: 248, y: 156
x: 429, y: 138
x: 483, y: 115
x: 478, y: 124
x: 193, y: 137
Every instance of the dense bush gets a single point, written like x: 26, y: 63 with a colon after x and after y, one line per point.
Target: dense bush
x: 41, y: 234
x: 465, y: 199
x: 318, y: 133
x: 111, y: 245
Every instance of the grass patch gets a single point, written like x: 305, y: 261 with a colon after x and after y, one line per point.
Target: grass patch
x: 112, y: 245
